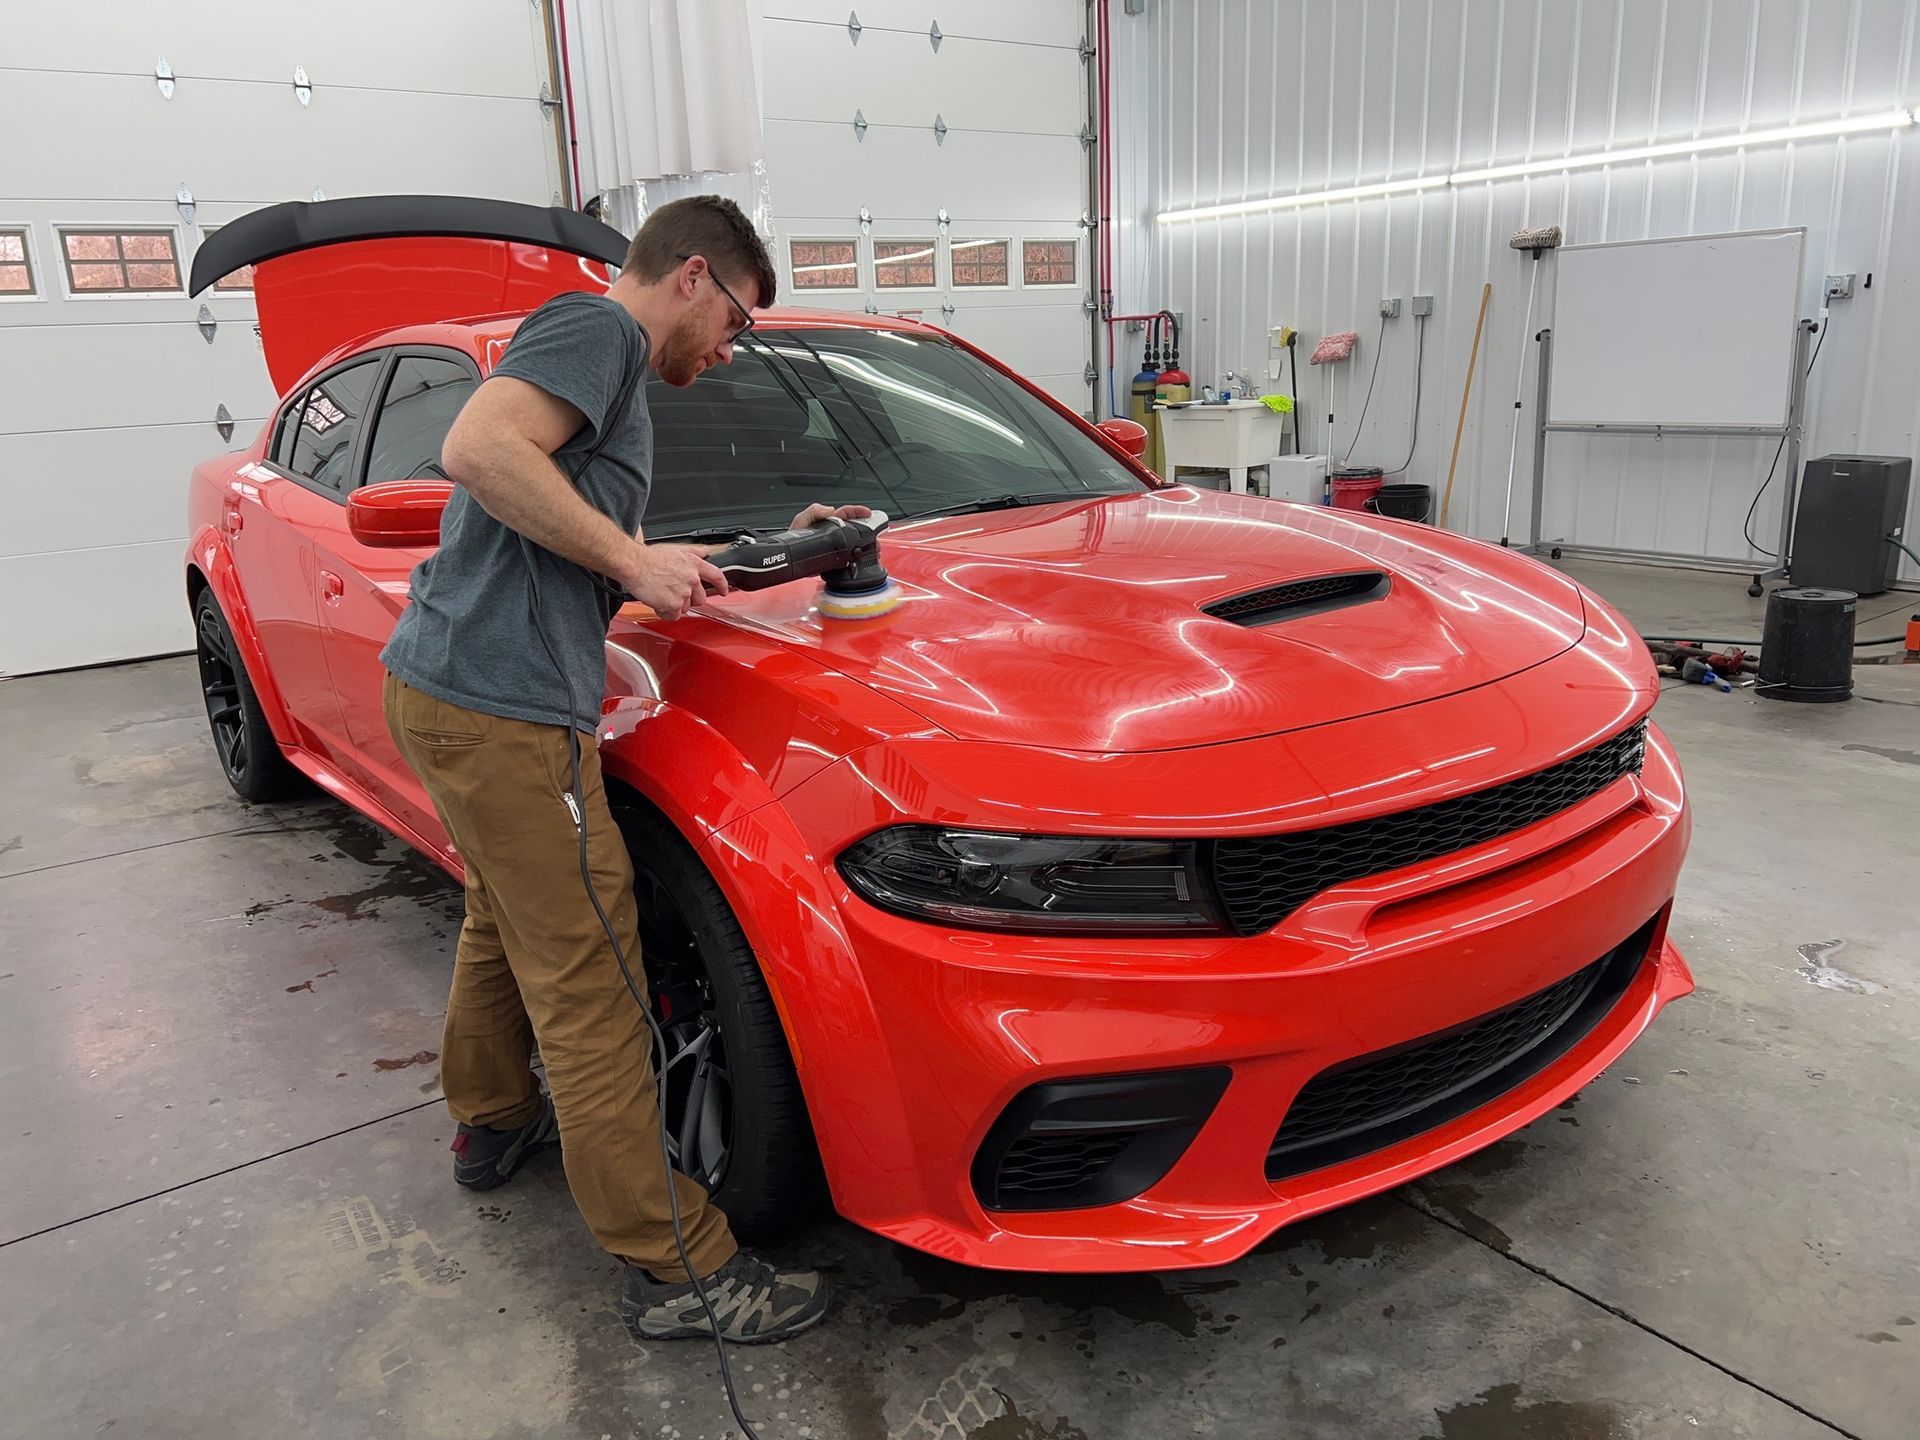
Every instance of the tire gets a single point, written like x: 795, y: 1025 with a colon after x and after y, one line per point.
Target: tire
x: 242, y: 740
x: 696, y: 958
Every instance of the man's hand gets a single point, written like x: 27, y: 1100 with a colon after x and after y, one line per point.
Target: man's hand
x: 817, y: 512
x: 670, y: 579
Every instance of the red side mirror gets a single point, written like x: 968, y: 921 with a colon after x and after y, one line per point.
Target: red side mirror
x: 1129, y: 435
x: 398, y: 514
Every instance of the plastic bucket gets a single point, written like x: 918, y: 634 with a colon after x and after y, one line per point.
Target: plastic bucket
x: 1352, y: 489
x: 1402, y: 502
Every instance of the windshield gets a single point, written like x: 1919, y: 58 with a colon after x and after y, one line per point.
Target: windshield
x: 904, y: 423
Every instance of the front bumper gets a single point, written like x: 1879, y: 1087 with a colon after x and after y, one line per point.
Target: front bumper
x: 974, y: 1020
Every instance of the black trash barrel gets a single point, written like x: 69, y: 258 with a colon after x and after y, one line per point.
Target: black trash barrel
x: 1806, y: 650
x: 1402, y: 502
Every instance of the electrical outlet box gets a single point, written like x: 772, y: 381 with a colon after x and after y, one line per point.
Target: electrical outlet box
x: 1390, y: 309
x: 1840, y: 287
x: 1422, y: 305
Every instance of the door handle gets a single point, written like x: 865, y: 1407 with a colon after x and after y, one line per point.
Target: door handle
x: 331, y: 587
x: 230, y: 518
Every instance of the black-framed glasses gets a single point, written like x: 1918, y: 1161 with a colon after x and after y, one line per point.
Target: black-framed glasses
x: 746, y: 316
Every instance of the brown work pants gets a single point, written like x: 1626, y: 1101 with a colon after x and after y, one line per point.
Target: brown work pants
x: 533, y: 963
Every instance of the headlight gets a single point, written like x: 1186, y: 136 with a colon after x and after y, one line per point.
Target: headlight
x: 1034, y: 882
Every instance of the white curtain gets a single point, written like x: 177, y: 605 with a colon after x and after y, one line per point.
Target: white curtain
x: 665, y: 105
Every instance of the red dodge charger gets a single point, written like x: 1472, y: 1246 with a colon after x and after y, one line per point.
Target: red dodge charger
x: 1166, y: 867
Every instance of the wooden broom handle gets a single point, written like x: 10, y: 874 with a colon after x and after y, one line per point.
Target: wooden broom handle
x: 1486, y: 294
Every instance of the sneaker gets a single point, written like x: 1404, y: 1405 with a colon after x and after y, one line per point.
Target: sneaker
x: 484, y: 1157
x: 754, y: 1303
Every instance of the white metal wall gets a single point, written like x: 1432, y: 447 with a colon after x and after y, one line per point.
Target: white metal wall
x: 1237, y: 99
x: 107, y: 401
x: 1008, y: 80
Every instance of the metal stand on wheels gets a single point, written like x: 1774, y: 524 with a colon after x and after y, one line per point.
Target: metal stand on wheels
x: 1789, y: 491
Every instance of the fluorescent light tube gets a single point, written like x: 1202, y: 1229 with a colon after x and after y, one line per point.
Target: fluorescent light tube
x: 1776, y: 135
x: 1311, y: 197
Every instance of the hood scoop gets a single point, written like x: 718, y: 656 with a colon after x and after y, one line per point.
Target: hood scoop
x: 1298, y: 598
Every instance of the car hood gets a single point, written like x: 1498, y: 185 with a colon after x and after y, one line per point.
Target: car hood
x: 1079, y: 625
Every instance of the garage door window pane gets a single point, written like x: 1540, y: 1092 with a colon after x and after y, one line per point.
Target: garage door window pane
x: 16, y: 273
x: 903, y: 265
x: 825, y: 264
x: 1050, y: 262
x: 125, y: 261
x: 421, y: 401
x: 323, y: 445
x: 981, y: 262
x: 241, y: 279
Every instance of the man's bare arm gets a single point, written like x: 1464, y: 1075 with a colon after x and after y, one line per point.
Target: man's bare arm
x: 500, y: 450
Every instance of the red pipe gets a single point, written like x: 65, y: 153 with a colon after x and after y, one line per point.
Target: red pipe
x: 566, y: 83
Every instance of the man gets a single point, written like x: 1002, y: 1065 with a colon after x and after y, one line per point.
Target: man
x: 479, y: 708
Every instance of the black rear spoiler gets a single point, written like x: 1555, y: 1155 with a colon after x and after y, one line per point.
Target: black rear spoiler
x: 303, y: 225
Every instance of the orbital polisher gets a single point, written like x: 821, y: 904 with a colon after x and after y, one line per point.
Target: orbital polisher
x: 844, y: 553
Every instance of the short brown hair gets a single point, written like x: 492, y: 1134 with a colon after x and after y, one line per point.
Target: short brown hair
x: 708, y: 225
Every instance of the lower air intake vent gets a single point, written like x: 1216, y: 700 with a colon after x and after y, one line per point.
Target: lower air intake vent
x: 1379, y: 1100
x: 1298, y: 598
x: 1069, y: 1144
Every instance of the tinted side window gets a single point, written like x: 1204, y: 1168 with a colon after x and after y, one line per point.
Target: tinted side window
x: 329, y: 419
x: 415, y: 415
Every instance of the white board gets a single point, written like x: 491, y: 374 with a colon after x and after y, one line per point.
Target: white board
x: 1691, y: 331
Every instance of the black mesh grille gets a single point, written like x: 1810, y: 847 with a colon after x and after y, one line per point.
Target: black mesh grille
x: 1368, y: 1104
x: 1299, y: 597
x: 1262, y: 879
x: 1041, y: 1165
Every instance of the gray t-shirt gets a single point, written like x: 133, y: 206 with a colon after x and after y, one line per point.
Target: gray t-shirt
x: 468, y: 636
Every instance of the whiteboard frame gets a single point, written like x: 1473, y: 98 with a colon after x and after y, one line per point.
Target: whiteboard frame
x: 1790, y: 434
x: 1789, y: 332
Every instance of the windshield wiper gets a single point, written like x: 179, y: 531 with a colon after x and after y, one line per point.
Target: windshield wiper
x: 992, y: 502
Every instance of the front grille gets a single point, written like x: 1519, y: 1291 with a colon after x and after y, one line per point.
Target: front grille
x: 1038, y: 1167
x: 1264, y: 878
x: 1300, y: 597
x: 1376, y: 1101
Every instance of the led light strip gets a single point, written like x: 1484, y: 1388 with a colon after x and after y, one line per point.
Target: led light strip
x: 1892, y: 120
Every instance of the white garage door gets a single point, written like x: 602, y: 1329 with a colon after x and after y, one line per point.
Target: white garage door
x: 984, y: 125
x: 108, y: 391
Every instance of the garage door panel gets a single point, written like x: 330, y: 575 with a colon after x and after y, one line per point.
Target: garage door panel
x: 1071, y: 391
x: 904, y: 173
x: 469, y: 145
x: 1038, y: 22
x: 897, y: 79
x: 73, y: 377
x: 90, y: 607
x: 484, y: 47
x: 88, y: 489
x: 1034, y: 340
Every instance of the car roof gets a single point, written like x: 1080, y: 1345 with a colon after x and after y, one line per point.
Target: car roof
x: 485, y: 336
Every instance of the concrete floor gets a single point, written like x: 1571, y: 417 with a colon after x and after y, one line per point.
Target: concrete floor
x: 228, y: 1213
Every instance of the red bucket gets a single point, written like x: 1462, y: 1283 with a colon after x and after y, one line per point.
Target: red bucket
x: 1353, y: 488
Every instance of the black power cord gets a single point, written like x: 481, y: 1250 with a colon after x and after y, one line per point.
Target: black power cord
x: 1379, y: 344
x: 573, y: 803
x: 1419, y: 384
x: 1746, y: 526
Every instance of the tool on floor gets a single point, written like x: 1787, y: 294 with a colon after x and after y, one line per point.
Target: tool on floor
x: 1334, y: 349
x: 844, y: 553
x: 1697, y: 670
x: 1446, y: 498
x: 1535, y: 240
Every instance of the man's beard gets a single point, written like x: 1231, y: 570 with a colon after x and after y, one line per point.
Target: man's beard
x: 680, y: 356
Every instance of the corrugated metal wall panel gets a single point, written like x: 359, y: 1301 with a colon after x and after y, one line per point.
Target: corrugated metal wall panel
x: 1235, y: 99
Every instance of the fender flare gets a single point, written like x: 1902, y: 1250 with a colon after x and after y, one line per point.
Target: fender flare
x: 780, y: 895
x: 211, y: 560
